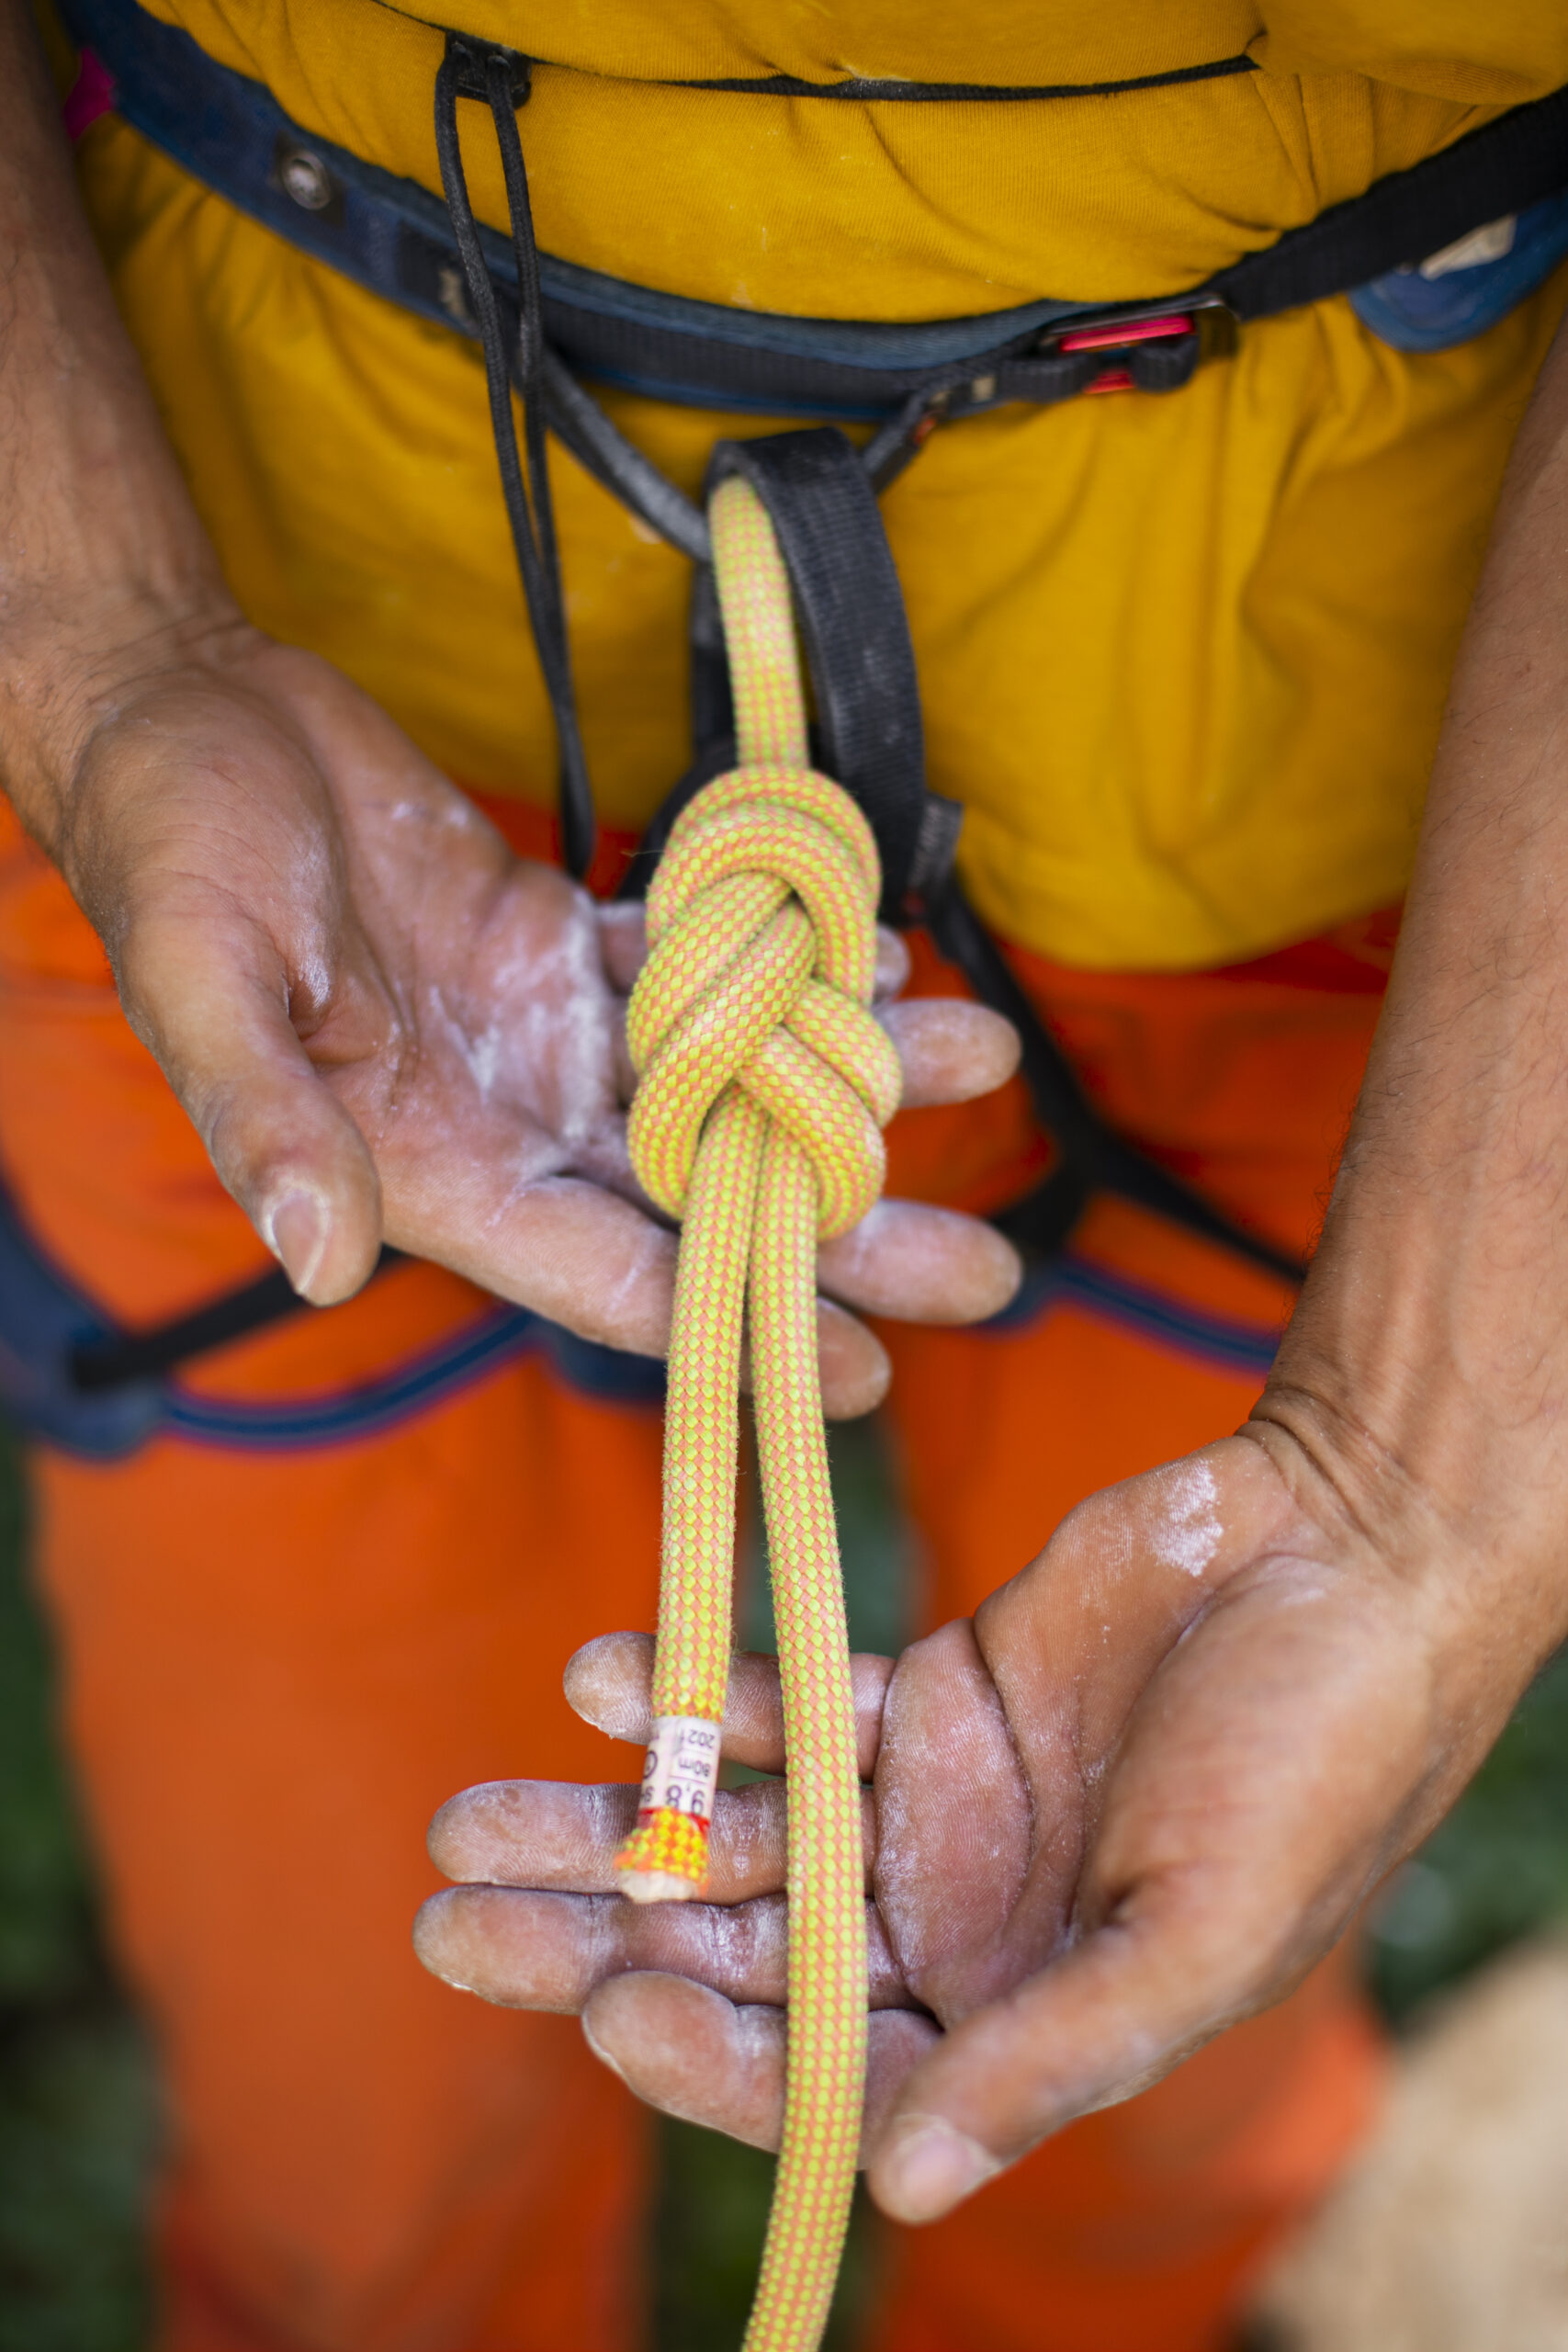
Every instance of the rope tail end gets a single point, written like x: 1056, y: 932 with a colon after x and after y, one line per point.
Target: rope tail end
x: 665, y: 1860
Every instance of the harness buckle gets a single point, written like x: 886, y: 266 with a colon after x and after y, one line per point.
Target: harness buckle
x: 1146, y: 346
x: 1156, y: 347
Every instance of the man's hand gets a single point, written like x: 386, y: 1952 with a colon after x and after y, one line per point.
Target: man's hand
x: 1130, y: 1804
x: 1149, y: 1785
x: 383, y: 1024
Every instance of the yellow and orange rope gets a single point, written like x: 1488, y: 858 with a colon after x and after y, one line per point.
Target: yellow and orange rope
x: 765, y: 1083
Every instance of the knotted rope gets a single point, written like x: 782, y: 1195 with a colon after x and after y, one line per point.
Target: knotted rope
x: 765, y: 1083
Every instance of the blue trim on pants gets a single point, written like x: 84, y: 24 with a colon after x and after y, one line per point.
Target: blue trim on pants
x: 44, y: 1316
x: 1220, y: 1342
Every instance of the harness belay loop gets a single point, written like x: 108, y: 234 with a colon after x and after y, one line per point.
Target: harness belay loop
x: 764, y: 1084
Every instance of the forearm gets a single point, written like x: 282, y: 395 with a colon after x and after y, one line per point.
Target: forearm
x: 1427, y: 1367
x: 102, y: 559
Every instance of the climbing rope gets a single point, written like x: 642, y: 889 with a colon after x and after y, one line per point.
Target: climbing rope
x: 763, y: 1085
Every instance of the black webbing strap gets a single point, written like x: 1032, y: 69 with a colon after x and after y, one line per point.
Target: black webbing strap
x: 855, y: 635
x: 1093, y: 1158
x: 1517, y: 159
x: 849, y: 606
x: 392, y: 236
x: 602, y: 449
x: 100, y: 1364
x: 698, y: 351
x: 856, y: 639
x: 500, y: 78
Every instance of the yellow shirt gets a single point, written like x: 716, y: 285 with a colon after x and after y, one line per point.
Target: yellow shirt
x: 1182, y: 656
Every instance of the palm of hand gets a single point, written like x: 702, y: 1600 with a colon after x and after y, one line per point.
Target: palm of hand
x: 1128, y: 1805
x: 1192, y: 1739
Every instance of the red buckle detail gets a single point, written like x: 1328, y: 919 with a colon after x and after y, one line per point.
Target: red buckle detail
x: 1109, y: 338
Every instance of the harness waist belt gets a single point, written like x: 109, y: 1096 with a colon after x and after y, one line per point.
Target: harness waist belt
x: 395, y: 238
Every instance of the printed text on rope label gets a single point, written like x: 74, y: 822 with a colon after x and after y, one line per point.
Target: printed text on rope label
x: 680, y: 1771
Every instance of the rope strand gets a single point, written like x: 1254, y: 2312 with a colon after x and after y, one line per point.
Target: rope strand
x: 764, y: 1084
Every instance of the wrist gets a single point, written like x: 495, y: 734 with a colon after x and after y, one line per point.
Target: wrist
x: 106, y: 571
x: 70, y: 662
x: 1423, y: 1474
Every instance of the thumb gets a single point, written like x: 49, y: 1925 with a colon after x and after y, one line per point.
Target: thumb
x: 209, y: 994
x: 1110, y: 2018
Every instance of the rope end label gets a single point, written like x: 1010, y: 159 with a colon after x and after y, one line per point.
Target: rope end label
x: 679, y: 1772
x: 666, y: 1857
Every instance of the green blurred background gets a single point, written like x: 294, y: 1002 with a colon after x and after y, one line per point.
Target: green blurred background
x: 78, y: 2110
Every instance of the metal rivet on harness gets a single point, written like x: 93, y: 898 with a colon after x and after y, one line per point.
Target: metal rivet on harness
x: 306, y: 179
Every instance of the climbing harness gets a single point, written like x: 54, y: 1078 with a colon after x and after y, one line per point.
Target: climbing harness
x: 765, y: 1083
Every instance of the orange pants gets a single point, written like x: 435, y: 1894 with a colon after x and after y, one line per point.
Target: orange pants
x: 281, y: 1656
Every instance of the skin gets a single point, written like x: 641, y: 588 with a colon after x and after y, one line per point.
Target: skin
x: 384, y: 1026
x: 1149, y: 1783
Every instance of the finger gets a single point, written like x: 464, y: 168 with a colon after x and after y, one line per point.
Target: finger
x: 855, y: 1371
x: 958, y: 1830
x: 919, y: 1264
x: 210, y: 997
x: 892, y: 965
x: 526, y: 1949
x: 951, y: 1050
x: 622, y: 942
x: 626, y: 1069
x: 608, y: 1681
x: 587, y: 1259
x: 552, y: 1835
x: 1249, y: 1810
x: 559, y: 1837
x: 687, y: 2050
x: 1113, y: 2018
x: 567, y: 1249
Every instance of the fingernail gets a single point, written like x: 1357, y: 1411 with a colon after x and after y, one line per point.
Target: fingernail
x: 430, y: 1943
x: 597, y: 2047
x: 296, y: 1233
x: 931, y: 2168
